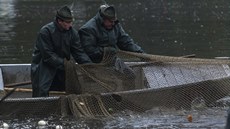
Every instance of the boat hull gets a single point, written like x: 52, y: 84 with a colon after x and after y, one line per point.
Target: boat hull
x: 150, y: 90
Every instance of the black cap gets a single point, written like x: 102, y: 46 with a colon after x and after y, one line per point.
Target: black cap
x: 108, y: 12
x: 65, y: 14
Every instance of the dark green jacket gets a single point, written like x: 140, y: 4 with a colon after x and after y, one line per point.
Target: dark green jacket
x: 94, y: 37
x: 53, y: 45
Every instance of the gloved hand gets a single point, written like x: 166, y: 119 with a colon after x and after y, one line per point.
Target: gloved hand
x: 110, y: 51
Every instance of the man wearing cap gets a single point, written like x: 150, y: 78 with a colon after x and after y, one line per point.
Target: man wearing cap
x: 104, y: 33
x: 56, y: 41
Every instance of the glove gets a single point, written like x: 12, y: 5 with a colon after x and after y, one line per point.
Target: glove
x: 110, y: 51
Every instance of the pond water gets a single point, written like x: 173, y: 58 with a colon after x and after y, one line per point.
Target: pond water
x: 163, y: 27
x: 210, y: 118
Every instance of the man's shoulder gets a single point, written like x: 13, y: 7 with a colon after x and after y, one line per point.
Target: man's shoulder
x: 48, y: 27
x: 118, y: 25
x: 90, y: 25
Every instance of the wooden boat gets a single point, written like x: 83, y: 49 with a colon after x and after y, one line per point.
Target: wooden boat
x: 168, y: 85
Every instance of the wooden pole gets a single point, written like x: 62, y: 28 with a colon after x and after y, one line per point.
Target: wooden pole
x: 30, y: 90
x: 18, y: 84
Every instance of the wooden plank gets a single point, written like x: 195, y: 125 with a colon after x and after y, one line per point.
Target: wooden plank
x: 174, y: 74
x: 155, y: 77
x: 226, y: 69
x: 178, y: 75
x: 150, y: 77
x: 214, y: 72
x: 18, y: 84
x: 221, y: 71
x: 205, y: 72
x: 30, y: 90
x: 196, y: 73
x: 185, y: 70
x: 169, y: 75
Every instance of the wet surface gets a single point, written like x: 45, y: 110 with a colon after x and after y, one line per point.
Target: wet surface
x: 210, y: 118
x: 161, y: 27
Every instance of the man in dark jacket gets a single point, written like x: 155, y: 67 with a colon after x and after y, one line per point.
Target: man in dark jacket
x: 55, y: 43
x: 104, y: 33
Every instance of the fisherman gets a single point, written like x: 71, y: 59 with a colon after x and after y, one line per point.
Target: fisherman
x: 56, y: 42
x: 104, y: 34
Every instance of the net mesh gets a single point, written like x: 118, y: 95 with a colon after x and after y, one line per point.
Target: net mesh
x: 15, y: 107
x: 150, y: 81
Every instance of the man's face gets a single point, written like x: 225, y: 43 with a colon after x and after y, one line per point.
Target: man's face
x: 108, y: 24
x: 66, y: 25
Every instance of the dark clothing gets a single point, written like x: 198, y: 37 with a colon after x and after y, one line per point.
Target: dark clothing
x: 53, y: 45
x: 94, y: 37
x: 96, y: 40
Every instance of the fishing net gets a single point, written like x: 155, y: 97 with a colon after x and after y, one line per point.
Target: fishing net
x: 145, y: 82
x: 33, y: 107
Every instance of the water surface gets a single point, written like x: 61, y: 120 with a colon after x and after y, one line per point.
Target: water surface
x: 164, y: 27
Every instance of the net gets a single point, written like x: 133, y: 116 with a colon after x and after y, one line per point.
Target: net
x: 146, y: 82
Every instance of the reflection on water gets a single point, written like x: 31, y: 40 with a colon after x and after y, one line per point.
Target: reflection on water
x: 7, y: 14
x: 162, y: 27
x: 210, y: 118
x: 170, y: 119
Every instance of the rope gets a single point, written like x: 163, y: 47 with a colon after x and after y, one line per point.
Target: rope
x: 158, y: 58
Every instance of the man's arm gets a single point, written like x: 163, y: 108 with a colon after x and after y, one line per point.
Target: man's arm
x: 89, y: 43
x: 125, y: 42
x: 47, y: 51
x: 77, y: 51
